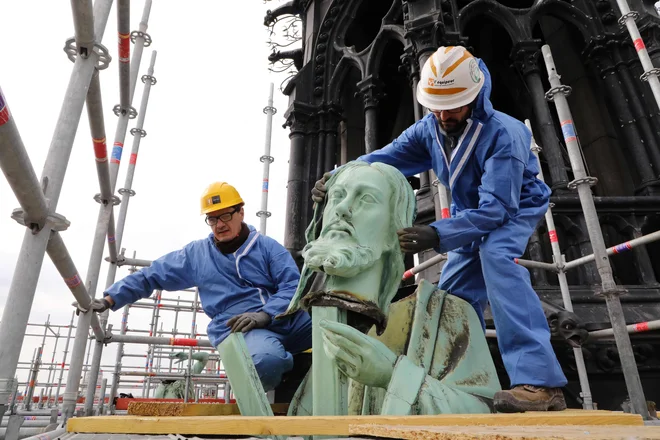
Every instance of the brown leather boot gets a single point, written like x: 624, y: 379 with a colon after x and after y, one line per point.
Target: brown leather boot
x: 529, y: 398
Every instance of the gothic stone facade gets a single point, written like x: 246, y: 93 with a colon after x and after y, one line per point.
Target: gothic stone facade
x: 354, y: 92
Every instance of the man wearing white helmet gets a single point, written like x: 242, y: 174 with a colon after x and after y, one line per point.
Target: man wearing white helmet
x: 484, y: 157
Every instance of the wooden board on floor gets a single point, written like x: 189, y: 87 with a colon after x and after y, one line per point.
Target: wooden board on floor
x: 507, y: 432
x: 193, y: 409
x: 332, y: 425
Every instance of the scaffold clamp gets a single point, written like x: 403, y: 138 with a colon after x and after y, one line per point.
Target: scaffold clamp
x: 149, y: 78
x: 56, y: 221
x: 563, y: 89
x: 71, y: 50
x: 592, y: 181
x: 141, y: 132
x: 118, y: 111
x: 115, y: 200
x: 262, y: 213
x: 653, y: 72
x: 137, y: 34
x: 125, y: 191
x: 270, y: 108
x: 632, y: 14
x: 265, y: 158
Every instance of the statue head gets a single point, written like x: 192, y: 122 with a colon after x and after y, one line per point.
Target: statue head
x: 354, y: 242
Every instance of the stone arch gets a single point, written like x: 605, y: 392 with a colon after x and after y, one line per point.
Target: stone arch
x: 387, y: 33
x: 566, y: 13
x: 339, y: 74
x: 493, y: 11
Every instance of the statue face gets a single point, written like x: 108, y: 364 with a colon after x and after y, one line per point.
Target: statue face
x: 356, y: 218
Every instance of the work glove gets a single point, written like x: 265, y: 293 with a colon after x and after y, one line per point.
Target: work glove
x: 319, y: 190
x: 248, y: 321
x: 418, y: 238
x: 99, y: 305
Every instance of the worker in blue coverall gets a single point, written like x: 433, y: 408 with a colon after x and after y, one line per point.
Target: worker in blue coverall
x: 484, y: 157
x: 244, y: 280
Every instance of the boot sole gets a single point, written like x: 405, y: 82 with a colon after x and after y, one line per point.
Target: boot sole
x: 509, y: 404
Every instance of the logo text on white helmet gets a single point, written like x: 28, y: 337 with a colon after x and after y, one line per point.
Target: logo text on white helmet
x: 475, y: 72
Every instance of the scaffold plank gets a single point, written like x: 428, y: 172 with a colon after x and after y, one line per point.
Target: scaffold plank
x: 193, y: 409
x: 507, y: 432
x: 333, y: 425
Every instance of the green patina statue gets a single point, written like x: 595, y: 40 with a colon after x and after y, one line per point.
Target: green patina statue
x: 176, y: 389
x: 424, y: 354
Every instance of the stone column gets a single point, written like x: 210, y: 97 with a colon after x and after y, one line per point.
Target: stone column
x: 370, y: 89
x: 600, y: 57
x: 294, y: 229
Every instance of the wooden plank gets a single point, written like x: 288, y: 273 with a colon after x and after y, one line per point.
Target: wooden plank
x: 193, y: 409
x: 333, y: 425
x: 507, y: 432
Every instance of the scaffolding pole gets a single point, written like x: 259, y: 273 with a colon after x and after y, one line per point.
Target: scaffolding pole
x: 23, y: 287
x: 650, y: 74
x: 127, y: 192
x: 587, y: 402
x: 174, y: 342
x: 66, y: 350
x: 582, y: 183
x: 124, y: 51
x: 266, y: 159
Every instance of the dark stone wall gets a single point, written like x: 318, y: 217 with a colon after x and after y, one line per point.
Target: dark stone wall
x: 354, y: 92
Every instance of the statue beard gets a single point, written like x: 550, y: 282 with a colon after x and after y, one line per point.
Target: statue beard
x: 338, y: 257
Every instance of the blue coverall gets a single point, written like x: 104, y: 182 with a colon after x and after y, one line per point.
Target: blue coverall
x: 260, y: 276
x: 497, y: 201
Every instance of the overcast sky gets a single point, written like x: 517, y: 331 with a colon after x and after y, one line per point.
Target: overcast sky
x: 204, y: 123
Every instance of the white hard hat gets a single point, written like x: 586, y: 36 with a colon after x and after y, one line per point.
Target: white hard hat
x: 450, y: 78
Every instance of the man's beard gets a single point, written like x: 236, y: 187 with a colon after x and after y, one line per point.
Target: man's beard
x: 455, y: 128
x: 340, y: 257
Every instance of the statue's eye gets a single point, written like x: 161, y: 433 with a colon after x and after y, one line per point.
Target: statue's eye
x: 335, y: 195
x: 368, y: 198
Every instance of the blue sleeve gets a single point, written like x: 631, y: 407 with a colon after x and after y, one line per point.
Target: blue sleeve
x: 407, y: 153
x: 284, y: 271
x: 170, y: 272
x: 499, y: 199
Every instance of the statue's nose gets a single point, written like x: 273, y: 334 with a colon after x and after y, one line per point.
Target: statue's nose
x: 345, y: 208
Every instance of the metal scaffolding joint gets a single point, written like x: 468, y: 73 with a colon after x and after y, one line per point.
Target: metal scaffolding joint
x: 265, y: 158
x: 271, y: 109
x: 119, y: 111
x: 125, y: 191
x: 137, y: 34
x: 632, y: 14
x: 262, y: 213
x: 149, y: 78
x: 139, y: 131
x: 56, y: 221
x: 591, y: 181
x: 71, y: 50
x: 115, y: 200
x: 653, y: 72
x: 564, y: 90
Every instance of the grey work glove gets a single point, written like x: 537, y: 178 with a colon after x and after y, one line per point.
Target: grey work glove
x: 319, y: 190
x: 248, y: 321
x: 418, y: 239
x: 99, y: 305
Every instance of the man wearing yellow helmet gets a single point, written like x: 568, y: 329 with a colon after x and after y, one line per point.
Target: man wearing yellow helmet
x: 484, y: 157
x: 244, y: 280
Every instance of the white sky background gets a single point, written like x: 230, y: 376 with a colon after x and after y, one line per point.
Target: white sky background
x: 204, y: 122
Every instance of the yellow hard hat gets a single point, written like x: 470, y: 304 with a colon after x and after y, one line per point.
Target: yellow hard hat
x: 219, y: 195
